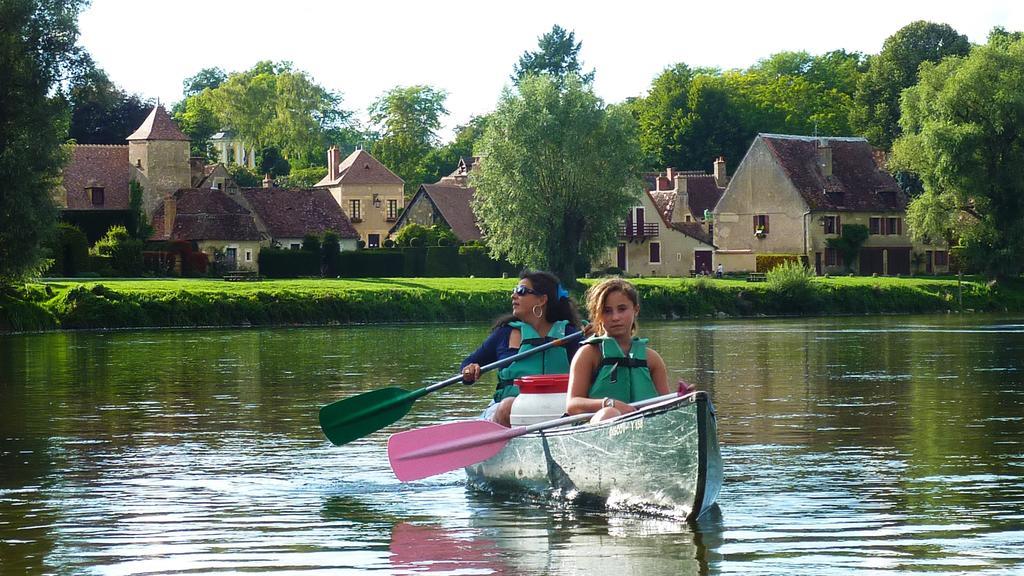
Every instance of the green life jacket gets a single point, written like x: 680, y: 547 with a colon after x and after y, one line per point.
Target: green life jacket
x: 627, y: 379
x: 551, y: 361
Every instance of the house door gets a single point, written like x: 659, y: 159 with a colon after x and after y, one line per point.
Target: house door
x: 702, y: 261
x: 929, y: 261
x: 817, y: 263
x: 231, y: 256
x: 620, y: 260
x: 871, y: 261
x: 898, y: 261
x: 373, y: 241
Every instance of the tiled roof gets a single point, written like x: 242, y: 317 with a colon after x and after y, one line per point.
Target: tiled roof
x: 453, y: 202
x: 93, y: 165
x: 293, y: 213
x: 158, y: 126
x: 701, y: 189
x: 361, y: 168
x: 206, y: 215
x: 664, y: 201
x: 856, y: 183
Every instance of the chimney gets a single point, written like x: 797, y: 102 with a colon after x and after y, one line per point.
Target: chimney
x: 825, y: 157
x: 681, y: 208
x: 268, y: 182
x: 170, y: 213
x: 333, y: 162
x: 720, y: 178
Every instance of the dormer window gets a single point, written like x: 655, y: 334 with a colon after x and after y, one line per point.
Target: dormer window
x: 95, y: 194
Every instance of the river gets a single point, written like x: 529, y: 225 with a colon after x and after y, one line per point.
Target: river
x: 866, y: 445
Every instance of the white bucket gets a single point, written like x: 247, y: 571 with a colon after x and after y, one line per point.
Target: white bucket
x: 541, y: 398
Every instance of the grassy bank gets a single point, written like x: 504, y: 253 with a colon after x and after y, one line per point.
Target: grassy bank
x: 119, y: 303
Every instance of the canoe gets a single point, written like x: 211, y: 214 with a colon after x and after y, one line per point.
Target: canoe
x: 663, y: 459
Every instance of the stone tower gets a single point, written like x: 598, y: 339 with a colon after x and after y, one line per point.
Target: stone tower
x: 158, y: 153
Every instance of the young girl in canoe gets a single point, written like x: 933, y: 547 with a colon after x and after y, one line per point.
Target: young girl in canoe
x: 615, y: 367
x: 541, y: 311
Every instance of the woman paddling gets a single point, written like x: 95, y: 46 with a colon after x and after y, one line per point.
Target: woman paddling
x: 542, y: 311
x: 615, y: 367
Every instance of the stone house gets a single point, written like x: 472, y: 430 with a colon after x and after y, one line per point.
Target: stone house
x: 213, y: 221
x: 447, y: 202
x: 790, y: 194
x: 286, y: 216
x: 665, y: 233
x: 370, y: 194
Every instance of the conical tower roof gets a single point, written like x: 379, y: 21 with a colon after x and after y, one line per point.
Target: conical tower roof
x: 158, y: 126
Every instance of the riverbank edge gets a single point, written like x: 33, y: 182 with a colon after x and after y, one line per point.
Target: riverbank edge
x: 108, y: 304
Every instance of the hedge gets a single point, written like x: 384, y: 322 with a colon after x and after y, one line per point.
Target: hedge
x: 281, y: 263
x: 765, y: 262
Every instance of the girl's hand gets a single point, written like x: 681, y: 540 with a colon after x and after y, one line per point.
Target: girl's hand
x: 685, y: 387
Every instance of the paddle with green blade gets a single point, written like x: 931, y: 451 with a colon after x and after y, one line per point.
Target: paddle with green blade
x: 423, y: 452
x: 352, y: 418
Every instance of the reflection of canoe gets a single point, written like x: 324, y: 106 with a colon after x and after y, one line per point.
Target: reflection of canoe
x: 663, y: 459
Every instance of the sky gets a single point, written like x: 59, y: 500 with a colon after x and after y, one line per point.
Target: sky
x: 362, y: 49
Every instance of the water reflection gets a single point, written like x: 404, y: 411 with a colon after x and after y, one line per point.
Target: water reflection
x: 888, y: 444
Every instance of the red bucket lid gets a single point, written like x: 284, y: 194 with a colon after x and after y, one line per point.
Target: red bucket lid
x: 543, y: 384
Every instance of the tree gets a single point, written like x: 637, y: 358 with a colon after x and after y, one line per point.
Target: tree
x: 441, y: 161
x: 207, y: 78
x: 560, y: 170
x: 408, y: 119
x: 877, y: 112
x: 557, y: 56
x: 963, y: 134
x: 270, y: 104
x: 102, y: 113
x: 37, y: 53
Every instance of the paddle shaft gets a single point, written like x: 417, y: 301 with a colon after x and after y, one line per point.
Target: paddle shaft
x: 506, y: 434
x: 507, y: 361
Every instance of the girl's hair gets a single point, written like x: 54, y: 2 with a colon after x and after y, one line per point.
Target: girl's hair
x: 559, y: 307
x: 598, y: 294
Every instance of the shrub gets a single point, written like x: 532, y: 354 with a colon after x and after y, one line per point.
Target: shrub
x: 279, y: 263
x: 477, y: 262
x: 330, y: 251
x: 70, y: 251
x: 790, y: 284
x: 125, y: 252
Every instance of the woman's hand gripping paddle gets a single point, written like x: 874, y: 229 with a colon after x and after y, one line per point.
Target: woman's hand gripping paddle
x: 424, y: 452
x: 352, y: 418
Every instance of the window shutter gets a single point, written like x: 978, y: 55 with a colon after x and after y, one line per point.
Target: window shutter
x: 839, y: 225
x: 655, y: 252
x: 766, y: 224
x: 755, y: 222
x: 629, y: 224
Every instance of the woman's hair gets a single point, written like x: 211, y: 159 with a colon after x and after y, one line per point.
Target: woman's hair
x: 559, y: 306
x: 598, y: 294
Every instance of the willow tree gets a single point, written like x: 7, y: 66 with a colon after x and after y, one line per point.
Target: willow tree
x: 963, y: 134
x: 559, y: 171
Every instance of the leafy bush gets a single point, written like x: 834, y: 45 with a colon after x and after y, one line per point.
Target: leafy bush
x: 124, y: 251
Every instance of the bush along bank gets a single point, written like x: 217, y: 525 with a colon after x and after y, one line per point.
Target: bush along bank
x: 122, y: 304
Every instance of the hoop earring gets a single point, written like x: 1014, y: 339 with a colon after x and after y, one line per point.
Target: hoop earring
x: 536, y: 313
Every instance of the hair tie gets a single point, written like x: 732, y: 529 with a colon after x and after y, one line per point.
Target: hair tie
x: 562, y: 293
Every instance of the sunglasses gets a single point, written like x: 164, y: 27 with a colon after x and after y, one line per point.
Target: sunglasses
x: 523, y: 290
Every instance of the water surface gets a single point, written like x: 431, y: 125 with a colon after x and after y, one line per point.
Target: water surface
x: 853, y: 445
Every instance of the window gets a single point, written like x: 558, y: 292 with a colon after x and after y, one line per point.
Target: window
x: 831, y: 224
x: 941, y: 258
x: 373, y: 241
x: 392, y: 210
x: 760, y: 224
x: 248, y: 255
x: 353, y: 211
x: 832, y: 257
x: 655, y: 253
x: 295, y: 246
x: 875, y: 226
x: 95, y: 195
x: 895, y: 226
